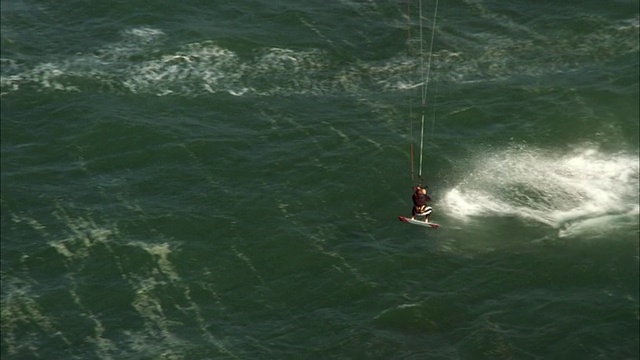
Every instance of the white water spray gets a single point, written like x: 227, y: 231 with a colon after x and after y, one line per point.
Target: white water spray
x: 579, y: 192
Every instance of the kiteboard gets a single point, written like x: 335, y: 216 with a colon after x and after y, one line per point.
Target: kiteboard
x: 418, y: 222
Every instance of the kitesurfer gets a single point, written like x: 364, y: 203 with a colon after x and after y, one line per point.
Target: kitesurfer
x: 420, y: 207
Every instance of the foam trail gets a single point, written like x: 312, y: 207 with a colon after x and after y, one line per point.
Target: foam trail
x: 20, y: 307
x: 573, y: 192
x: 248, y: 262
x: 320, y: 244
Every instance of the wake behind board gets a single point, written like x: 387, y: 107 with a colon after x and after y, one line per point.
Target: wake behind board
x: 418, y: 222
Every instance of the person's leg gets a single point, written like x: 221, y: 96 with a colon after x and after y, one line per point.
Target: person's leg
x: 427, y: 213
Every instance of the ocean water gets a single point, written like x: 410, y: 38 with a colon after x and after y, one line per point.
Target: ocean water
x: 222, y: 180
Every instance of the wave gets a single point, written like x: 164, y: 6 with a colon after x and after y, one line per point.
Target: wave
x: 140, y: 63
